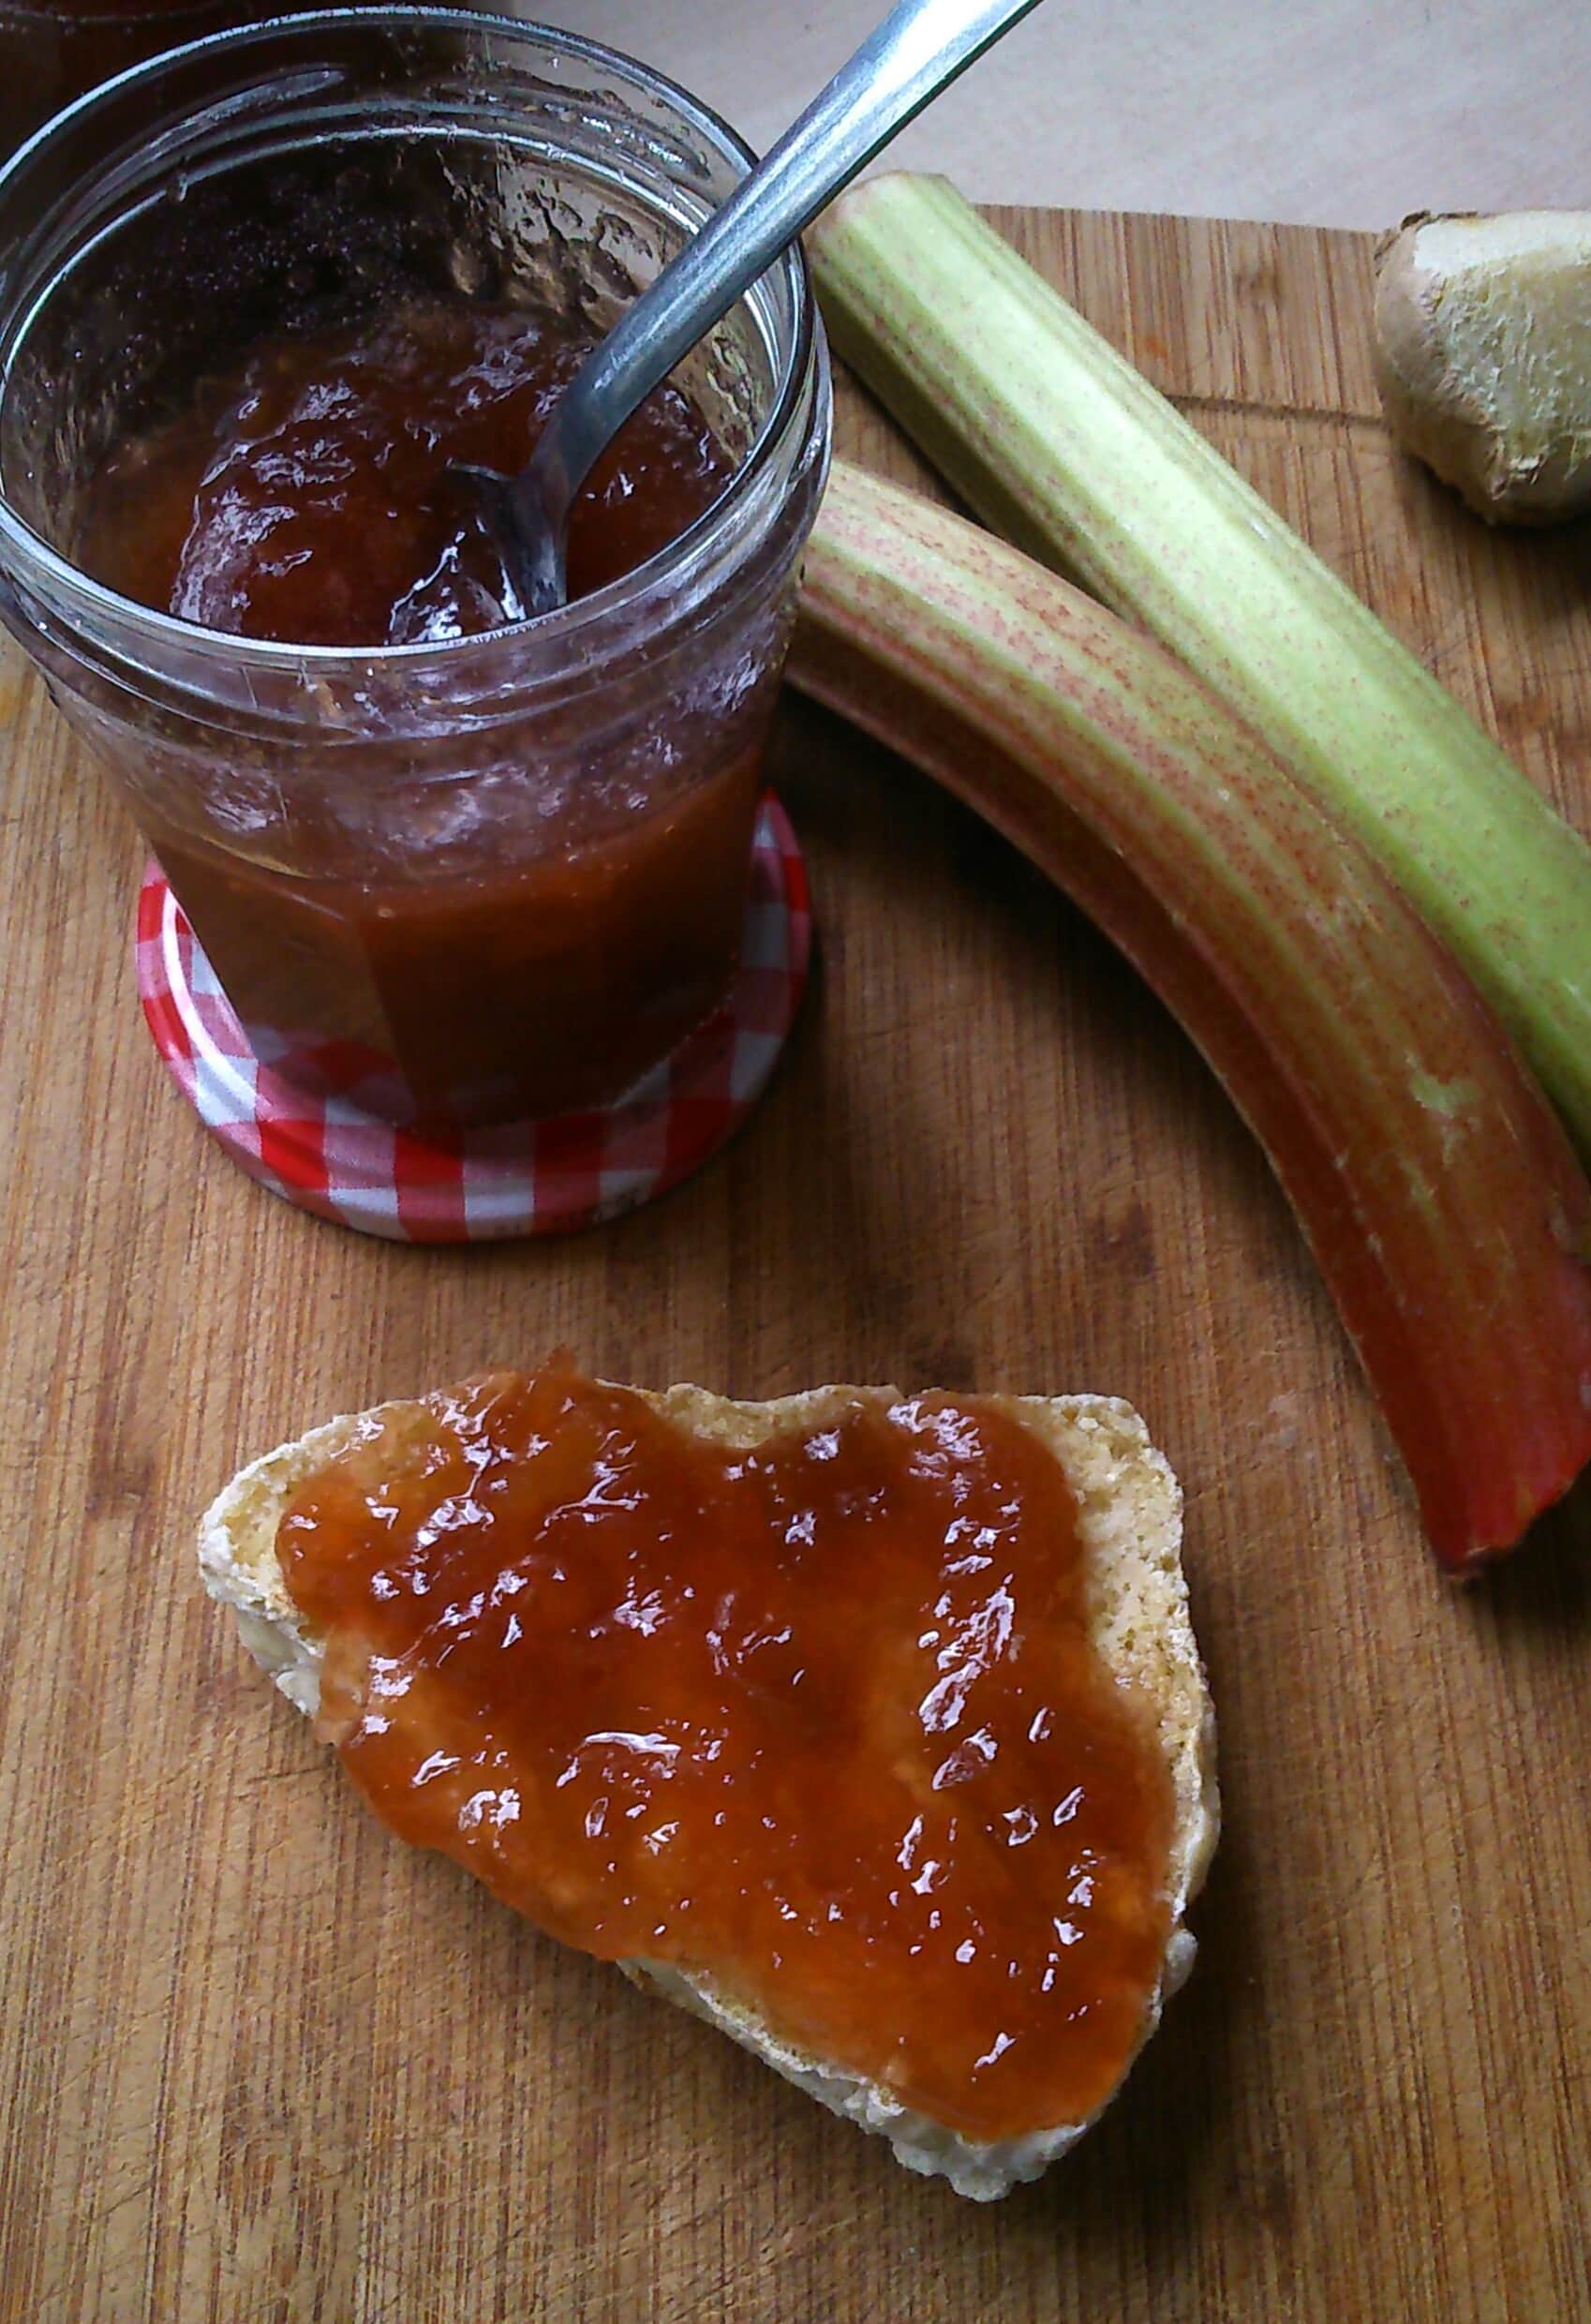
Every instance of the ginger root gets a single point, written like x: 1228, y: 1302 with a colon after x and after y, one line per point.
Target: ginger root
x: 1482, y: 345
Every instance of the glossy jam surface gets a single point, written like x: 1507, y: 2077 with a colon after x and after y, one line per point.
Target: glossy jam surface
x: 306, y: 498
x: 597, y: 917
x: 822, y: 1717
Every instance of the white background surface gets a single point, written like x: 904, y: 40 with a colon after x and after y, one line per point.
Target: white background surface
x: 1321, y: 113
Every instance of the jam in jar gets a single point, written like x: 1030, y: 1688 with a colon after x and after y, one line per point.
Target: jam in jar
x: 53, y: 50
x: 308, y: 497
x: 450, y: 867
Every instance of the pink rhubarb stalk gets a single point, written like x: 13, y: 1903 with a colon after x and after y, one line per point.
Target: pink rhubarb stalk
x: 1441, y: 1198
x: 1055, y: 441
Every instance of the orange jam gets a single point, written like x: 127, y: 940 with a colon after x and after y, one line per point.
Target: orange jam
x: 307, y: 495
x: 822, y: 1717
x: 498, y: 950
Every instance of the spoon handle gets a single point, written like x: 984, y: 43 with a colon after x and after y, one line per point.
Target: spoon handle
x: 918, y: 49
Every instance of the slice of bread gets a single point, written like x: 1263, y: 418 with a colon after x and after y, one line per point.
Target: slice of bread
x: 1130, y: 1523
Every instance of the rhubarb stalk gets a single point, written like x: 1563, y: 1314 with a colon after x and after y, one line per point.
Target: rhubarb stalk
x: 1438, y: 1191
x: 1053, y: 439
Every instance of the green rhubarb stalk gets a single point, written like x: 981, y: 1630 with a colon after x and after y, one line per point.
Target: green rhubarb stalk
x: 1438, y: 1190
x: 1055, y: 439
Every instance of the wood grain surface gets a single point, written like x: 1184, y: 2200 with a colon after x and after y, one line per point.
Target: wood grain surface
x: 258, y: 2062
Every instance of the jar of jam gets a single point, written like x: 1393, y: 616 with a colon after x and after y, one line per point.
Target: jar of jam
x: 263, y: 295
x: 52, y: 50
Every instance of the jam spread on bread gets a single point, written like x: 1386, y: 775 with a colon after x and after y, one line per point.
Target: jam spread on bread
x: 820, y: 1718
x: 530, y: 940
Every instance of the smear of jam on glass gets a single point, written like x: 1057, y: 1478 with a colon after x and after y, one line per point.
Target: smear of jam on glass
x: 824, y: 1716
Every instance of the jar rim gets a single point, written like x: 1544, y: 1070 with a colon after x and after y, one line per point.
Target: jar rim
x: 680, y: 566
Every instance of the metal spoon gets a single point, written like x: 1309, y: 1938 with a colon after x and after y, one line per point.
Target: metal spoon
x: 920, y: 47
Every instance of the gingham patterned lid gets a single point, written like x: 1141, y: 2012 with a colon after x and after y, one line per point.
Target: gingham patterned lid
x: 550, y: 1177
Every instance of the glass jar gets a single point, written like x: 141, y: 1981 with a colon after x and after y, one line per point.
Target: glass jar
x: 491, y: 878
x: 52, y: 50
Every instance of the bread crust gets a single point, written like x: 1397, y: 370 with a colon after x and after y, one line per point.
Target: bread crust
x: 1130, y: 1521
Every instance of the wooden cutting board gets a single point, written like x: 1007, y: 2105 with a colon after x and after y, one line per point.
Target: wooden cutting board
x: 257, y: 2061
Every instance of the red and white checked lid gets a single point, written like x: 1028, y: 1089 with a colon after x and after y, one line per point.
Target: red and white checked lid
x: 548, y: 1177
